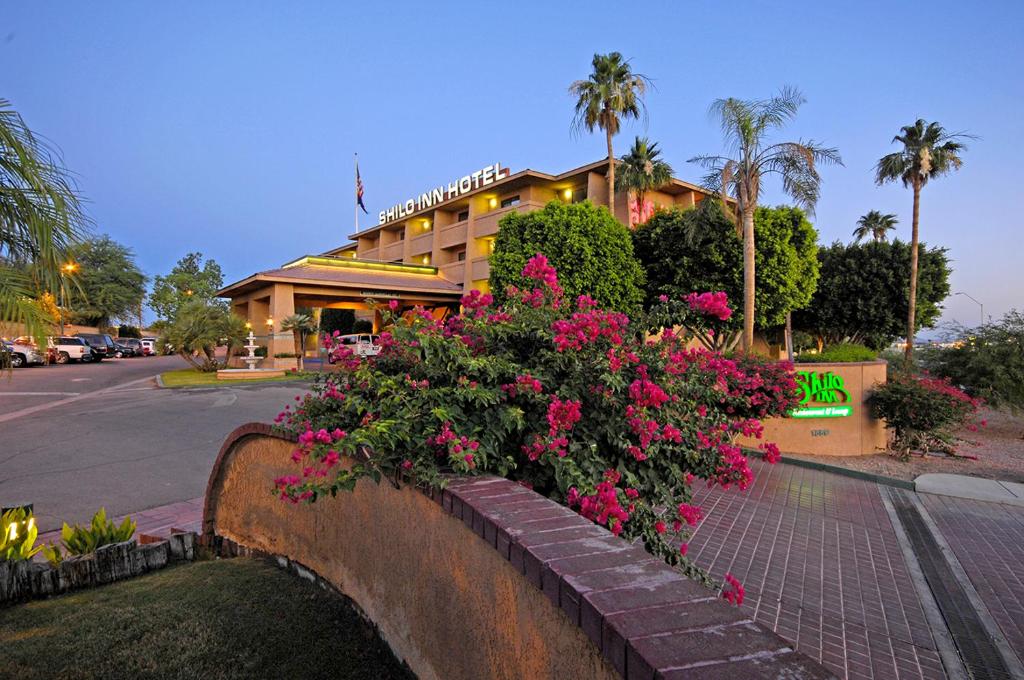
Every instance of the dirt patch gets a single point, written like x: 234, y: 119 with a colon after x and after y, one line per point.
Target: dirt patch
x: 999, y: 446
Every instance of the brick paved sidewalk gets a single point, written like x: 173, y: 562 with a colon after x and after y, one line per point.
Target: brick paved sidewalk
x: 821, y: 565
x: 988, y: 540
x: 186, y: 515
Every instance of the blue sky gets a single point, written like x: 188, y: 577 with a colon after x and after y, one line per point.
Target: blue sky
x: 229, y: 127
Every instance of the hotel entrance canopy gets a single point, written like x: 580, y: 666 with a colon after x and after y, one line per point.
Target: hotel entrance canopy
x: 343, y: 283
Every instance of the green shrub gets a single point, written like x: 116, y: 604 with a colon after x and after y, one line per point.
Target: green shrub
x: 592, y: 251
x: 17, y: 542
x: 842, y: 353
x: 924, y: 413
x: 79, y: 540
x: 988, y: 361
x: 285, y: 355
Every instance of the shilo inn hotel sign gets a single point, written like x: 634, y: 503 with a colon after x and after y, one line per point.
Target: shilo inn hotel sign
x: 463, y: 185
x: 818, y: 391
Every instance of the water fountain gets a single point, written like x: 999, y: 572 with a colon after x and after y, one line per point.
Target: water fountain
x: 250, y: 361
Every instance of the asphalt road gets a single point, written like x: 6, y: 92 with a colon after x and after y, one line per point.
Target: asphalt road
x: 74, y: 438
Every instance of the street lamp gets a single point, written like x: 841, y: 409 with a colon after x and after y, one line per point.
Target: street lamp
x: 66, y: 270
x: 979, y: 305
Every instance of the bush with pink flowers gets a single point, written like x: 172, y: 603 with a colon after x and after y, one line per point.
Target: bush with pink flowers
x: 584, y: 405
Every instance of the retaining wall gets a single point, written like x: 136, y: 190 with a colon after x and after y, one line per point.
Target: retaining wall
x: 488, y: 579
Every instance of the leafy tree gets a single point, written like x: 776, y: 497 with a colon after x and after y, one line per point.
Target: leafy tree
x: 928, y: 152
x: 643, y: 170
x: 340, y: 320
x: 199, y: 327
x: 862, y: 293
x: 301, y: 325
x: 987, y: 361
x: 746, y: 125
x: 40, y: 220
x: 698, y: 250
x: 191, y: 279
x: 108, y: 286
x: 125, y: 331
x: 874, y: 224
x: 591, y: 250
x: 611, y: 92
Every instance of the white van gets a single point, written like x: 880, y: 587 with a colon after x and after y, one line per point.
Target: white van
x: 362, y: 344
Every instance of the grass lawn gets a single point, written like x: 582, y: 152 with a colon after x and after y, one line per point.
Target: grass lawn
x: 190, y: 377
x: 237, y: 618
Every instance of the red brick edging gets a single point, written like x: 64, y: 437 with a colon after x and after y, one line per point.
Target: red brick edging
x: 648, y: 620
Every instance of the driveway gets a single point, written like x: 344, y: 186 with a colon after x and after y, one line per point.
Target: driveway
x: 77, y: 437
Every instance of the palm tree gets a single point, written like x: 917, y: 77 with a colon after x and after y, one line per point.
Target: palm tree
x: 745, y: 126
x: 928, y: 152
x: 612, y: 92
x: 643, y: 169
x: 874, y: 224
x: 40, y: 219
x: 301, y: 325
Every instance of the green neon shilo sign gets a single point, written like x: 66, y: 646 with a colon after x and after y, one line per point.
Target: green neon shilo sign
x: 822, y: 395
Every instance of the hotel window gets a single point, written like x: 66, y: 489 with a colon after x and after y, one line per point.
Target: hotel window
x: 509, y: 202
x: 464, y: 215
x: 460, y: 256
x: 400, y: 234
x: 579, y: 195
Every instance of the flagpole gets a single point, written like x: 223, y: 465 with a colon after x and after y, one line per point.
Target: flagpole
x: 356, y: 202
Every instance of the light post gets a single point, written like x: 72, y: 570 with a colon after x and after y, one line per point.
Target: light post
x: 65, y: 271
x: 977, y: 302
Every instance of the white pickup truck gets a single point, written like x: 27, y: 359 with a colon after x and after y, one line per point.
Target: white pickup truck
x: 71, y: 349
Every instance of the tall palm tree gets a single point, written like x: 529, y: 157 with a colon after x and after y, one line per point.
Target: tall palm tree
x: 876, y: 225
x: 40, y: 219
x: 642, y: 169
x: 745, y: 127
x: 928, y: 152
x: 611, y: 93
x: 301, y: 325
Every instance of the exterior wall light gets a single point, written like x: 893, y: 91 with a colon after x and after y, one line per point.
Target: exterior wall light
x: 493, y: 202
x: 270, y: 323
x: 426, y: 259
x: 426, y: 225
x: 568, y: 194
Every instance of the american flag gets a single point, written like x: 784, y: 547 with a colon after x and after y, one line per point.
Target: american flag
x: 359, y: 190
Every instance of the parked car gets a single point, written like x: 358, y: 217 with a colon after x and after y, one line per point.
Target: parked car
x: 134, y: 344
x: 148, y: 346
x: 101, y: 344
x: 50, y: 355
x: 17, y: 354
x: 362, y: 344
x: 71, y: 349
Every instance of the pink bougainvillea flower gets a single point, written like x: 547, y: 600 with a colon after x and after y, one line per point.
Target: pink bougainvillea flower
x: 733, y: 591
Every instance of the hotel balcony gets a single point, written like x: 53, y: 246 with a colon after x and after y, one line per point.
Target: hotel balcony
x: 421, y: 244
x: 454, y: 234
x: 487, y: 224
x: 371, y: 254
x: 454, y: 272
x: 392, y: 251
x: 481, y: 268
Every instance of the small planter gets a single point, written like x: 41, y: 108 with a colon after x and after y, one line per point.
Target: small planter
x: 116, y: 562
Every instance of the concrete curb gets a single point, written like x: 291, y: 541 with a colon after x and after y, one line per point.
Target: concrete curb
x: 846, y: 472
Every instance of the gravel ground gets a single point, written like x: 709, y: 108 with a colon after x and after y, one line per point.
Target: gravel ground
x: 999, y: 447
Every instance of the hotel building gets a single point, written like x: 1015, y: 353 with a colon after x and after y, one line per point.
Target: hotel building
x: 427, y: 250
